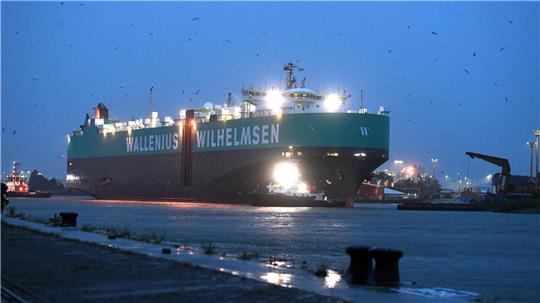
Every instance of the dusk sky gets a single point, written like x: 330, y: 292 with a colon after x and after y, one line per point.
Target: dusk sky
x: 456, y: 77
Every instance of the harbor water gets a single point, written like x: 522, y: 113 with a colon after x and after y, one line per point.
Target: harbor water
x: 496, y: 255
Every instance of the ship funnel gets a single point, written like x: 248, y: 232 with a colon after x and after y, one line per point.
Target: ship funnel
x: 101, y: 112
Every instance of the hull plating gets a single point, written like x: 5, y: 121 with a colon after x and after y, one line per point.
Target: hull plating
x: 224, y: 176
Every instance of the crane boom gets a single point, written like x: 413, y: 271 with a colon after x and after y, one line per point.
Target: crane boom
x: 501, y: 162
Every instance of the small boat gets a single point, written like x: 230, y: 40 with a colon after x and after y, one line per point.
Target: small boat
x: 293, y: 197
x: 17, y: 186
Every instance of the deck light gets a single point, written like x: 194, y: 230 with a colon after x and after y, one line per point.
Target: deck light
x: 274, y: 99
x: 332, y: 103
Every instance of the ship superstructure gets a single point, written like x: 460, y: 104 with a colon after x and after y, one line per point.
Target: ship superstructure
x: 16, y: 180
x: 293, y: 139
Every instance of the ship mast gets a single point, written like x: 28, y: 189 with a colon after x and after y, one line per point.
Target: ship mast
x: 291, y: 79
x: 150, y: 101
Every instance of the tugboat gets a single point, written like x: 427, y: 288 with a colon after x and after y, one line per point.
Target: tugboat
x: 289, y: 191
x: 17, y: 186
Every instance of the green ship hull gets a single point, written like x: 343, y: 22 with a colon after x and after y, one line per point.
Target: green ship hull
x: 227, y: 161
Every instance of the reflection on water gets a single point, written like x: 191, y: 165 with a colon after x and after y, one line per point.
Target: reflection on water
x: 277, y: 278
x: 456, y: 250
x: 287, y: 210
x: 332, y: 278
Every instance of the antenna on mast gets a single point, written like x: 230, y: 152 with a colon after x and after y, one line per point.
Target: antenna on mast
x: 291, y: 79
x: 150, y: 106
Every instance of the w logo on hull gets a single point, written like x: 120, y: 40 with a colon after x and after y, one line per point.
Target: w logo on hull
x: 364, y: 131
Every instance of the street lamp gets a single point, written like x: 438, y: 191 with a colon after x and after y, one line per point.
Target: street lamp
x: 537, y: 135
x: 531, y: 145
x: 434, y: 163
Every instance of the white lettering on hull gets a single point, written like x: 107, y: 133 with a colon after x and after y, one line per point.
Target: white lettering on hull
x: 150, y: 143
x: 244, y: 136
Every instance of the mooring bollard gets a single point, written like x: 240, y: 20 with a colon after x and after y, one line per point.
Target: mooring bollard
x: 360, y: 267
x: 386, y: 265
x: 69, y: 219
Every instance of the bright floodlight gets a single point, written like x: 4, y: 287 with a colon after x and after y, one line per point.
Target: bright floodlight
x: 274, y: 99
x: 332, y: 102
x: 286, y: 174
x: 302, y: 188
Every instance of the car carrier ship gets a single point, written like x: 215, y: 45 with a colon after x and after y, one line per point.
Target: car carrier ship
x: 293, y: 141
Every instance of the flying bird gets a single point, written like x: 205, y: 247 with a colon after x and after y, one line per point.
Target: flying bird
x: 62, y: 3
x: 34, y: 78
x: 59, y: 23
x: 408, y: 95
x: 474, y: 54
x: 389, y: 50
x: 466, y: 71
x: 117, y: 48
x: 228, y: 41
x: 497, y: 85
x: 408, y: 27
x: 510, y: 21
x: 2, y: 129
x: 436, y: 59
x: 434, y: 33
x: 14, y: 132
x: 195, y: 19
x: 189, y: 39
x: 182, y: 92
x: 501, y: 49
x: 17, y: 32
x: 197, y: 92
x: 257, y: 54
x: 151, y: 34
x: 506, y: 99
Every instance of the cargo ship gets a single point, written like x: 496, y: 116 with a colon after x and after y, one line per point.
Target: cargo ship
x: 291, y: 141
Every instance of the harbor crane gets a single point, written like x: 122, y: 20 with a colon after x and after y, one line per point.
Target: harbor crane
x: 504, y: 181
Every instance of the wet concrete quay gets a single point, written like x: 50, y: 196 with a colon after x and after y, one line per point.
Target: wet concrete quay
x: 44, y: 268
